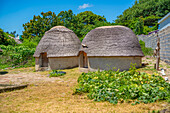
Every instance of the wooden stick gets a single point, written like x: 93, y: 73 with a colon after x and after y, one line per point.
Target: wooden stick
x: 158, y: 52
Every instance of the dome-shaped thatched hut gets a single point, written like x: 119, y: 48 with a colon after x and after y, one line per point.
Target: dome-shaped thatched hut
x: 110, y: 46
x: 58, y: 49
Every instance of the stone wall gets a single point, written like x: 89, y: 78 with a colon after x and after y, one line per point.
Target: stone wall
x: 151, y: 41
x: 107, y: 63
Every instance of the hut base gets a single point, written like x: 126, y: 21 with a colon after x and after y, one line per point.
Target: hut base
x: 113, y: 63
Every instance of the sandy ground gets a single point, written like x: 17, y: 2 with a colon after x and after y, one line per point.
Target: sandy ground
x: 163, y: 65
x: 25, y: 78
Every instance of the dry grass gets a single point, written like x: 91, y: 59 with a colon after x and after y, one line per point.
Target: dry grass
x: 57, y: 97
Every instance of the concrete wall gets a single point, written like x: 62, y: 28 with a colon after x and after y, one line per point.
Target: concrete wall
x: 164, y: 23
x: 63, y: 62
x: 106, y: 63
x: 151, y: 41
x: 165, y: 44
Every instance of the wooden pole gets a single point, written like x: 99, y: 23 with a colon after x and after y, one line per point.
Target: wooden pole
x: 158, y: 52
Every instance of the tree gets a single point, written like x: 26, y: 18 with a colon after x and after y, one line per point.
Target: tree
x: 81, y: 23
x: 39, y: 25
x: 148, y: 10
x: 86, y: 21
x: 5, y: 40
x: 139, y: 26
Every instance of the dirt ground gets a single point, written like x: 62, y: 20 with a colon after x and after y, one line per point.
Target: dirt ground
x: 150, y: 68
x: 54, y: 94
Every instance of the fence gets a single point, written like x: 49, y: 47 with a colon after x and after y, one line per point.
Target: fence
x: 151, y: 41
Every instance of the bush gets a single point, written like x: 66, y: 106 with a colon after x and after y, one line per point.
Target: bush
x: 56, y: 73
x: 5, y: 39
x: 31, y: 43
x: 114, y: 86
x: 145, y: 50
x: 18, y: 56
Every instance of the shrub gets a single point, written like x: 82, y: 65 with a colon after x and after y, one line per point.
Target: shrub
x: 145, y: 50
x: 5, y: 39
x: 18, y: 56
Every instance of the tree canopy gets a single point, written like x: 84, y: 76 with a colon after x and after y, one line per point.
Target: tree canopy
x: 81, y: 23
x: 5, y: 39
x: 146, y: 12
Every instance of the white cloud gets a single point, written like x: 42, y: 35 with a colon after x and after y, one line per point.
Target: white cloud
x: 85, y: 6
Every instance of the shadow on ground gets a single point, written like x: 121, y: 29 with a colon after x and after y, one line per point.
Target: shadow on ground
x: 3, y: 72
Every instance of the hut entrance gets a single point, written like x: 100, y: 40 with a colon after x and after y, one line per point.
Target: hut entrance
x: 83, y: 63
x: 44, y: 60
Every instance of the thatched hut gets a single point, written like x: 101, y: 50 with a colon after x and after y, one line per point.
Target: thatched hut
x: 110, y: 46
x: 58, y: 49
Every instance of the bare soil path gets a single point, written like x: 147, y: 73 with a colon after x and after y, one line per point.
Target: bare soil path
x: 150, y: 68
x: 25, y: 78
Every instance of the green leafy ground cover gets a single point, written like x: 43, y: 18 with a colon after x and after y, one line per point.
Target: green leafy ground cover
x: 56, y: 73
x: 16, y: 56
x: 115, y: 86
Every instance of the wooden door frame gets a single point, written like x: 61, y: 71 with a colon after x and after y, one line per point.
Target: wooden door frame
x: 83, y: 59
x: 42, y: 61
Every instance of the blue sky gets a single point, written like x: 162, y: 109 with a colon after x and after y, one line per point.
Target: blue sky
x: 14, y: 13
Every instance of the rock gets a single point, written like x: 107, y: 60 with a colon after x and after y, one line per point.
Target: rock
x: 166, y: 78
x: 162, y: 72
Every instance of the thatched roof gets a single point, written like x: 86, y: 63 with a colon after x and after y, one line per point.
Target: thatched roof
x: 58, y: 42
x: 111, y: 41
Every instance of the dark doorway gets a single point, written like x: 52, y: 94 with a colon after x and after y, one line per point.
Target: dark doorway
x: 44, y: 60
x: 85, y: 62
